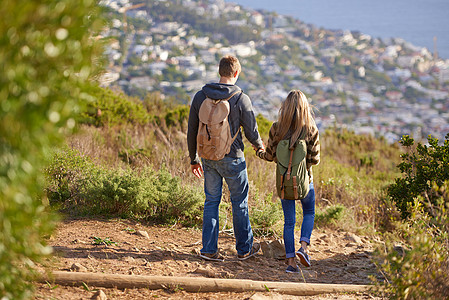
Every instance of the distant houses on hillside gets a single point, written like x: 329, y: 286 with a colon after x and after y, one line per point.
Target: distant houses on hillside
x: 381, y: 87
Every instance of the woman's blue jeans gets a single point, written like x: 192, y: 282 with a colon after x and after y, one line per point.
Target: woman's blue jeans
x: 233, y: 170
x: 308, y: 210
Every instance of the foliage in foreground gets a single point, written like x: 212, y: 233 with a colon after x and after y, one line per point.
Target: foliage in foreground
x: 422, y: 166
x: 415, y: 257
x: 417, y: 268
x: 47, y: 56
x: 78, y: 186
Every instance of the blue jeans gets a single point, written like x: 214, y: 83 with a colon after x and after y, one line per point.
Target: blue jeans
x: 308, y: 209
x: 233, y: 170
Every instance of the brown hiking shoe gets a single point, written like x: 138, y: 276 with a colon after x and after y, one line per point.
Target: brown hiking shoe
x: 254, y: 250
x: 212, y: 256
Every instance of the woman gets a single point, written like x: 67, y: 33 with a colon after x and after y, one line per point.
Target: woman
x: 294, y: 117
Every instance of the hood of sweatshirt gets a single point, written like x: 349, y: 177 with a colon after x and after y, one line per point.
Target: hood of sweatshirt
x: 218, y: 91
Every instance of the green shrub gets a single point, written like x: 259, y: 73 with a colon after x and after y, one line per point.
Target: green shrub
x: 67, y: 172
x: 81, y: 187
x: 177, y: 116
x: 47, y: 56
x: 108, y: 108
x: 329, y: 216
x: 263, y: 125
x: 342, y: 185
x: 266, y: 215
x: 422, y: 167
x: 415, y: 257
x: 363, y: 152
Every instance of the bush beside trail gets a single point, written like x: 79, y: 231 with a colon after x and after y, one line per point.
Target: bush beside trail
x: 47, y: 55
x: 415, y: 257
x: 79, y: 187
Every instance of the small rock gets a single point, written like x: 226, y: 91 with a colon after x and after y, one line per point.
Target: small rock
x: 128, y: 259
x: 353, y: 238
x: 77, y: 241
x: 77, y: 267
x: 273, y: 249
x: 309, y: 274
x: 99, y: 295
x: 205, y: 272
x: 227, y: 275
x: 143, y: 233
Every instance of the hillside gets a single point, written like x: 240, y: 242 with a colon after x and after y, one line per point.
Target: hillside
x: 385, y: 87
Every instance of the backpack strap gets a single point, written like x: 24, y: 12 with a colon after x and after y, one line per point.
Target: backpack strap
x: 289, y: 168
x: 226, y: 99
x: 295, y: 187
x: 233, y: 94
x: 282, y: 187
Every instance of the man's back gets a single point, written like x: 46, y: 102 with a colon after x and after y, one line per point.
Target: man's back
x: 241, y: 114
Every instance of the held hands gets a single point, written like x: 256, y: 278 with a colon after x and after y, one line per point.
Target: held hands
x: 259, y: 151
x: 197, y: 170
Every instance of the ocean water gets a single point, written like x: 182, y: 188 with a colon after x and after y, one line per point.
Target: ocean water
x: 416, y: 21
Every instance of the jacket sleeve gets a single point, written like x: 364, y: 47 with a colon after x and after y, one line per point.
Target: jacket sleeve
x: 192, y: 129
x: 270, y: 152
x: 248, y: 122
x: 313, y: 147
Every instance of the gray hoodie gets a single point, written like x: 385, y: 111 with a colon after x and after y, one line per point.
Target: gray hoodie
x: 241, y: 114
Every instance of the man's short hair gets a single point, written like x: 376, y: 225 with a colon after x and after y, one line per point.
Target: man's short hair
x: 228, y: 66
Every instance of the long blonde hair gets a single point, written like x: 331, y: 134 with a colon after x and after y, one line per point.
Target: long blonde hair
x: 294, y: 116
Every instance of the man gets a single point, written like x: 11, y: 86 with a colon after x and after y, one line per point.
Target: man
x: 232, y: 167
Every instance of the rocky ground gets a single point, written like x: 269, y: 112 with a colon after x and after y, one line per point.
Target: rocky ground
x: 127, y: 247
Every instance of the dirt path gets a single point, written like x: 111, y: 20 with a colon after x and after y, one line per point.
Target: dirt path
x: 337, y: 258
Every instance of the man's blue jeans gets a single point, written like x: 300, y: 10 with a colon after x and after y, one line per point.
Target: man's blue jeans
x: 233, y: 170
x: 308, y: 210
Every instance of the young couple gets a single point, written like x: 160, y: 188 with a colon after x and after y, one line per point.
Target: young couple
x: 294, y: 115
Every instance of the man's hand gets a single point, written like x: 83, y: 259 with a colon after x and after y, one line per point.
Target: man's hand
x: 197, y: 170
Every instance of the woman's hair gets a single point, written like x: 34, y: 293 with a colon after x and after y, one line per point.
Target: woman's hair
x: 294, y: 116
x: 228, y: 66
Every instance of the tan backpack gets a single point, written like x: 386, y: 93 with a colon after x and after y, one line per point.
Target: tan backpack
x: 214, y: 138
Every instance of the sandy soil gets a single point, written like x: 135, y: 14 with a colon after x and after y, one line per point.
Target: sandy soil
x: 337, y: 258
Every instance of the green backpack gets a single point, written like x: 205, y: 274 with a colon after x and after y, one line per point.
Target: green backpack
x: 292, y: 178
